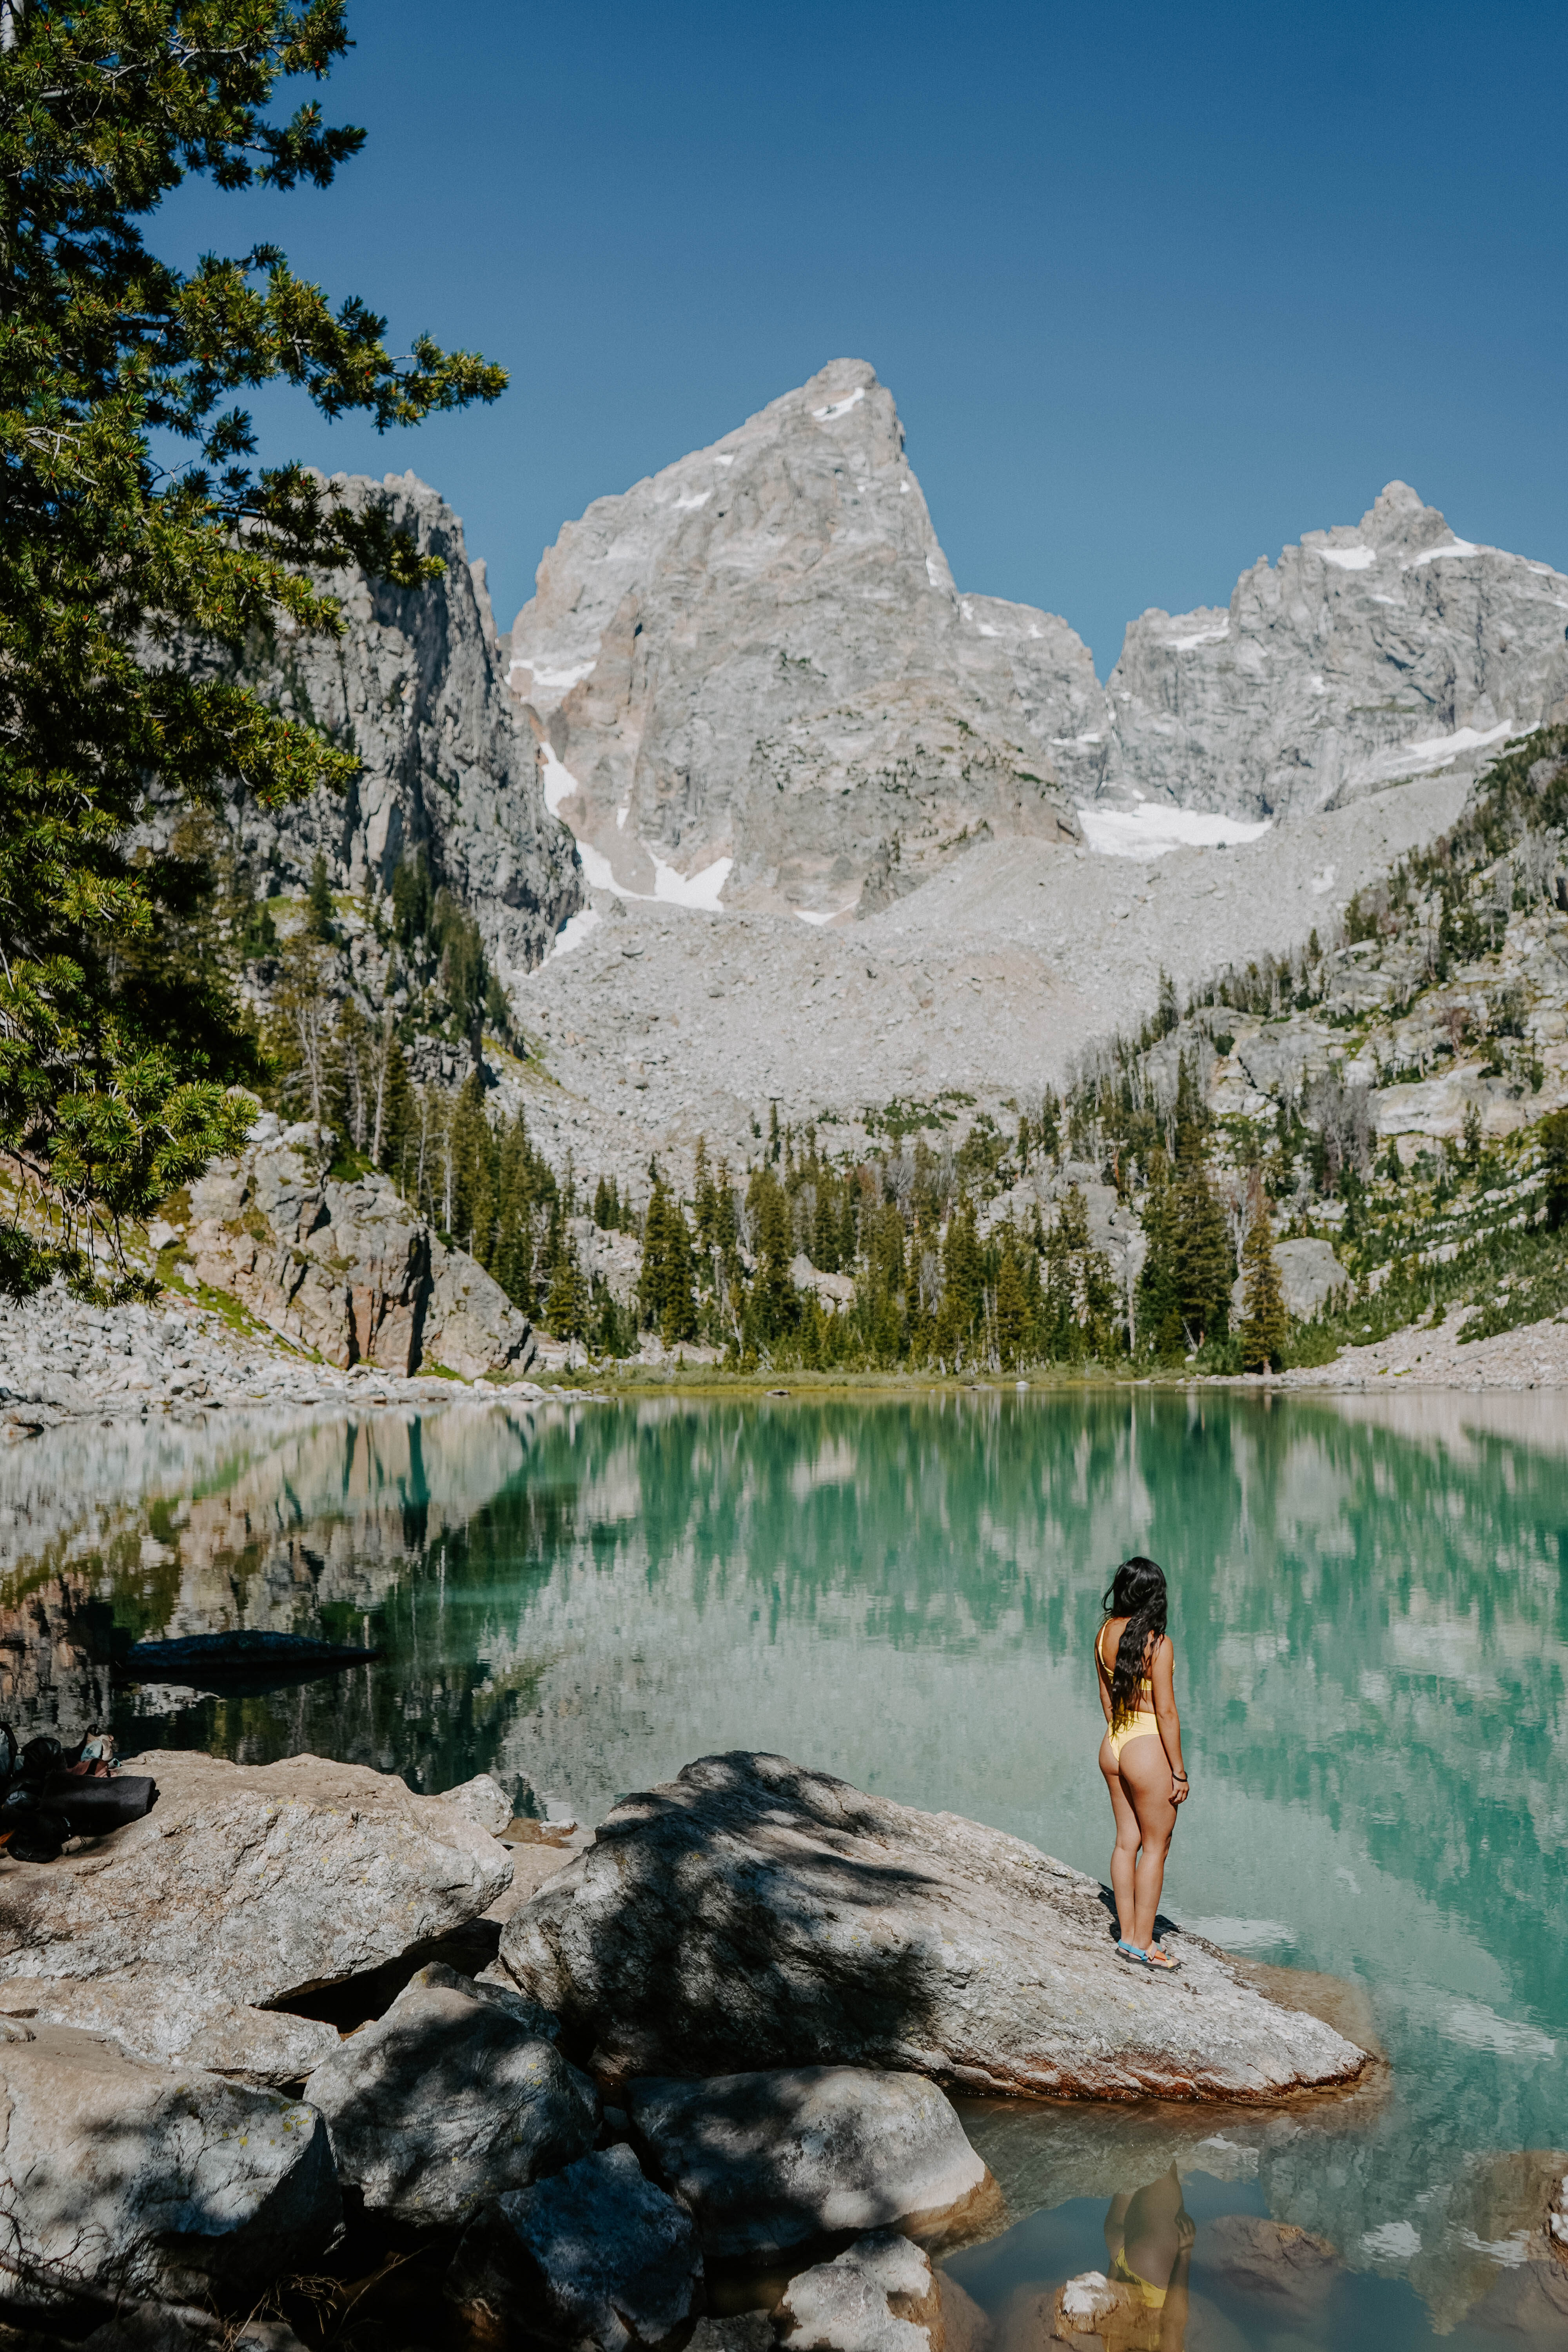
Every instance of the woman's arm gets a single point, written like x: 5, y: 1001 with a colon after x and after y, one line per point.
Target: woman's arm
x: 1162, y: 1681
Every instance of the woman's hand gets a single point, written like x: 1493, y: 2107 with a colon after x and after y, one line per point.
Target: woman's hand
x: 1180, y: 1789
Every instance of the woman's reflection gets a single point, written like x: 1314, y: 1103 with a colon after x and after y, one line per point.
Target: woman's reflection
x: 1149, y: 2239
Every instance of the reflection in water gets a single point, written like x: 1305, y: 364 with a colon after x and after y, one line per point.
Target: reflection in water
x: 1149, y: 2240
x: 1370, y: 1609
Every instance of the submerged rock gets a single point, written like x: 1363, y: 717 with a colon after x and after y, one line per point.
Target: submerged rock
x: 878, y: 2297
x: 754, y: 1913
x: 594, y: 2260
x: 770, y: 2162
x: 254, y: 1883
x: 446, y: 2100
x: 1273, y: 2261
x: 139, y: 2180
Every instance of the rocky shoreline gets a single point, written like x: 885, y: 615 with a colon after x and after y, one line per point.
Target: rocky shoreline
x: 694, y: 2082
x: 534, y: 2061
x: 62, y: 1359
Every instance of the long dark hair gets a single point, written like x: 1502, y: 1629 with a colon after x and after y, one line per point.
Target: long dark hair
x: 1136, y: 1592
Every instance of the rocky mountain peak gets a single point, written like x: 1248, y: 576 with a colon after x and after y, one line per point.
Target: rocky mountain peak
x: 1398, y: 517
x: 755, y: 683
x: 1368, y: 654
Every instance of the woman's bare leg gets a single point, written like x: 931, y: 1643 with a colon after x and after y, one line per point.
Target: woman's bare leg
x: 1124, y: 1854
x: 1146, y: 1784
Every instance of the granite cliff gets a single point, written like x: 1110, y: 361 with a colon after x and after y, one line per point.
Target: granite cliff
x: 413, y: 686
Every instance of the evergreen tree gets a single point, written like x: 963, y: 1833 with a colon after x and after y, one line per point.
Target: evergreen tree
x: 413, y: 900
x: 962, y: 1287
x: 1264, y: 1322
x: 1554, y: 1148
x: 1012, y: 1307
x: 319, y: 911
x: 567, y: 1306
x: 665, y: 1288
x: 1202, y: 1260
x: 773, y: 1298
x: 112, y: 1082
x: 1159, y: 1289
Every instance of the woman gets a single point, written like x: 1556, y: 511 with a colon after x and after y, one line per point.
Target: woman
x: 1141, y: 1755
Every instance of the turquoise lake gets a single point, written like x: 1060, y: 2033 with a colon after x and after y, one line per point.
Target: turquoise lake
x: 1369, y: 1609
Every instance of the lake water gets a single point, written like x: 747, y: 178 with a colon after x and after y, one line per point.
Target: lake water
x: 1371, y: 1617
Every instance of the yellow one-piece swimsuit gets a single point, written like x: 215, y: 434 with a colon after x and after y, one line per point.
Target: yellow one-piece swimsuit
x: 1144, y: 1720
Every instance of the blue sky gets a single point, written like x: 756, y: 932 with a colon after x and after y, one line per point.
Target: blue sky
x: 1156, y: 290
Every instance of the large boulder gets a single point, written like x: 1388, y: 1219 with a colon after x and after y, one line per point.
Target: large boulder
x: 140, y: 2180
x: 595, y: 2259
x: 879, y: 2296
x: 1284, y: 2268
x: 754, y: 1914
x: 447, y: 2099
x: 254, y: 1883
x: 347, y: 1269
x: 1309, y: 1273
x: 482, y: 1800
x: 169, y: 2022
x: 471, y: 1325
x: 771, y: 2162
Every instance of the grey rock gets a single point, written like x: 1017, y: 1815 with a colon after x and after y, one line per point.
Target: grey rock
x: 494, y: 1986
x: 1273, y: 2261
x: 1369, y: 653
x: 169, y: 2021
x: 346, y: 1270
x: 759, y: 655
x: 879, y: 2296
x: 482, y: 1800
x: 754, y: 1911
x: 594, y: 2257
x: 737, y: 2331
x: 1309, y: 1273
x: 253, y: 1883
x: 471, y: 1325
x: 142, y: 2181
x: 186, y: 2327
x: 447, y: 2099
x: 160, y: 2327
x: 414, y: 688
x: 771, y: 2161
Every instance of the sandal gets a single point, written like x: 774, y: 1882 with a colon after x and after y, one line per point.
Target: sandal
x: 1136, y: 1959
x: 1161, y: 1959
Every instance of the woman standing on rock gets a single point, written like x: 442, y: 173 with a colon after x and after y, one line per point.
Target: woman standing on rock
x: 1141, y: 1755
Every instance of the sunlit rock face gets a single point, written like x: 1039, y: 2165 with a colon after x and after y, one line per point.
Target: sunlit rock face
x: 414, y: 688
x: 877, y: 1936
x: 756, y: 684
x: 1369, y: 653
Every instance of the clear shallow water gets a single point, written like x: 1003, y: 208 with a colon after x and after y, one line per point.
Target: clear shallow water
x: 1371, y: 1614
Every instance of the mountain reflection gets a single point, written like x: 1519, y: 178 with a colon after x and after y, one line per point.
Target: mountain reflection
x: 1369, y: 1609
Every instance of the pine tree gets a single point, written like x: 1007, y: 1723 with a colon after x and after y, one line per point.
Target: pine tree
x: 1159, y: 1291
x: 1012, y: 1307
x: 566, y: 1307
x: 112, y: 1083
x: 1202, y: 1265
x: 319, y: 911
x: 773, y: 1298
x: 1264, y: 1321
x: 665, y: 1290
